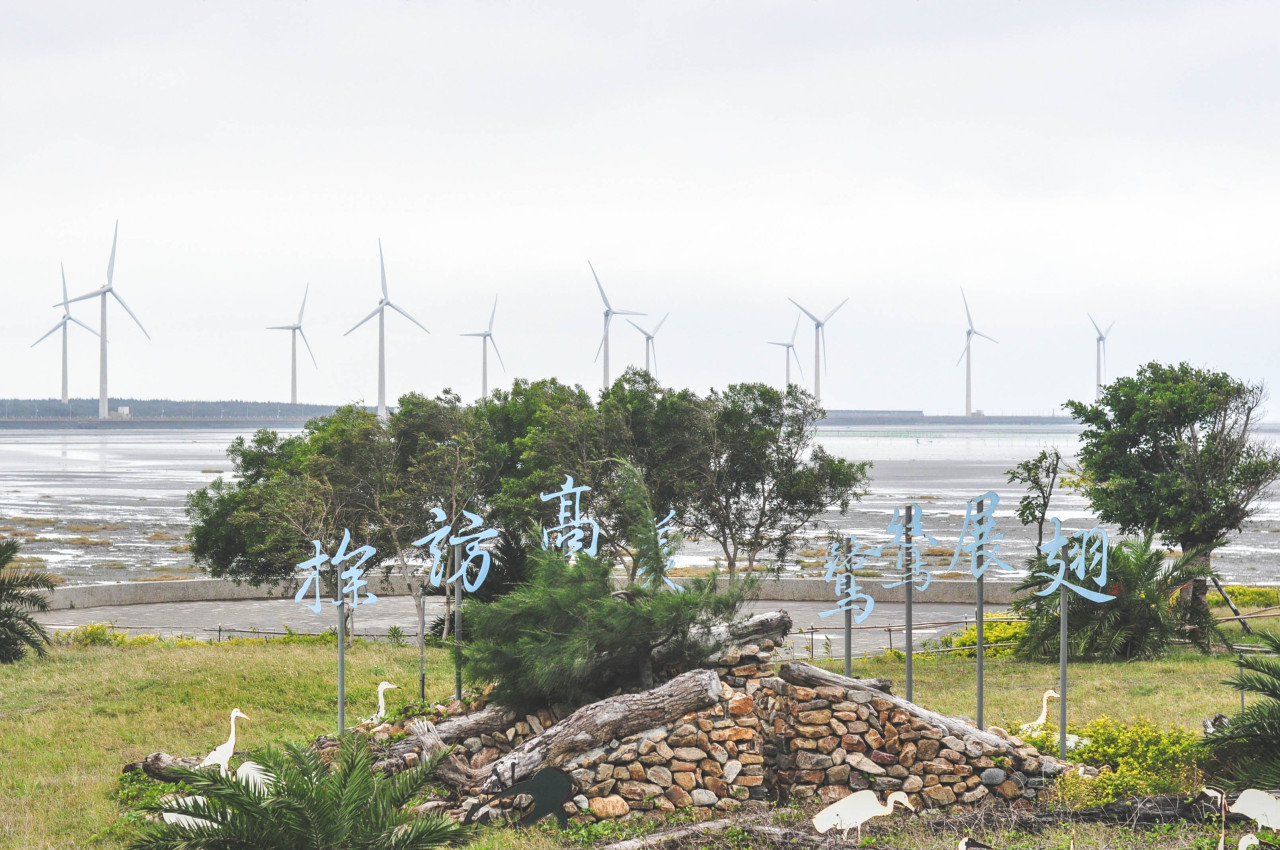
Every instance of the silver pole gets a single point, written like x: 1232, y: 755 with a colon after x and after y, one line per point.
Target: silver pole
x: 457, y: 624
x: 981, y: 649
x: 910, y: 587
x: 342, y: 664
x: 422, y: 647
x: 1062, y: 674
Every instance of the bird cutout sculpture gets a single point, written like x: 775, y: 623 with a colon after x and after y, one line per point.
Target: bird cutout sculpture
x: 855, y: 810
x: 1249, y: 840
x: 254, y: 776
x: 1037, y: 725
x: 550, y: 789
x: 221, y: 755
x: 1219, y: 799
x: 188, y: 821
x: 383, y: 687
x: 967, y: 843
x: 1258, y: 806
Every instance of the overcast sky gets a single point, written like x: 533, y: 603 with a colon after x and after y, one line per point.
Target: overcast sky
x: 709, y: 158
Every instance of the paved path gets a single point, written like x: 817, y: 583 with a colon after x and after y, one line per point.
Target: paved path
x: 203, y: 620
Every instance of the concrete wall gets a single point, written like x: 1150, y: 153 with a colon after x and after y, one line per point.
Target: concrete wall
x: 212, y: 590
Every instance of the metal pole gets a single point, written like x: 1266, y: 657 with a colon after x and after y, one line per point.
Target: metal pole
x: 910, y: 587
x: 1062, y: 674
x: 422, y: 646
x: 457, y: 625
x: 979, y: 612
x: 848, y: 641
x: 1241, y: 659
x: 342, y: 666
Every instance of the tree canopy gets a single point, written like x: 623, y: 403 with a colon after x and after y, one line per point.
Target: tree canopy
x: 1171, y: 450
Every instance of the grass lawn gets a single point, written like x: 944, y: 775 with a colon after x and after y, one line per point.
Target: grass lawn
x: 70, y: 722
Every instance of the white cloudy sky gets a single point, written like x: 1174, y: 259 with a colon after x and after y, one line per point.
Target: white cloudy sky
x: 710, y: 158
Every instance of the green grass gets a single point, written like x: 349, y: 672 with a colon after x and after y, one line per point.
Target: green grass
x: 69, y: 723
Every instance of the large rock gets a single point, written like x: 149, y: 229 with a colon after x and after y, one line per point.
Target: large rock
x: 612, y: 806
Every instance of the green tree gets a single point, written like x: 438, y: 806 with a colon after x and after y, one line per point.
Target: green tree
x: 304, y: 805
x: 21, y: 593
x: 1247, y: 750
x: 757, y: 476
x: 1040, y: 475
x: 1171, y: 450
x: 1144, y: 619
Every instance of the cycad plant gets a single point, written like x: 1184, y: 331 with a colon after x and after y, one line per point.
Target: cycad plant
x: 21, y: 593
x: 1247, y: 750
x: 1145, y: 617
x: 303, y: 804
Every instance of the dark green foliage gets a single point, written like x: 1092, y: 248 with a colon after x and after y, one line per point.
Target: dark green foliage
x: 1247, y: 751
x: 21, y: 592
x: 306, y: 806
x: 1170, y: 450
x: 1040, y: 475
x: 1146, y: 616
x: 566, y: 637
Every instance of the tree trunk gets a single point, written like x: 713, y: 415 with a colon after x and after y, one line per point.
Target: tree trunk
x: 799, y: 673
x: 775, y: 625
x: 597, y: 724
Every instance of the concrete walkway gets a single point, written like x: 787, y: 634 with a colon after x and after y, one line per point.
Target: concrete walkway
x: 265, y: 616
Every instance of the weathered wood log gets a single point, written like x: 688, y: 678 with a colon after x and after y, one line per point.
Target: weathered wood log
x: 596, y: 724
x: 157, y: 765
x: 671, y: 837
x: 495, y: 718
x: 774, y: 625
x: 799, y: 673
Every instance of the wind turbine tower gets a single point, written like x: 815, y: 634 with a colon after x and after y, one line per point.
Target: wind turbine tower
x: 791, y: 351
x: 819, y: 342
x: 380, y: 312
x: 295, y: 329
x: 649, y: 344
x: 1101, y: 353
x: 486, y: 340
x: 108, y: 289
x: 62, y: 324
x: 967, y: 357
x: 609, y: 313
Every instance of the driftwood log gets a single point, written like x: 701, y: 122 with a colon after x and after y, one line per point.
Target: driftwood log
x: 799, y: 673
x: 157, y: 765
x: 774, y: 625
x: 495, y: 718
x: 596, y: 724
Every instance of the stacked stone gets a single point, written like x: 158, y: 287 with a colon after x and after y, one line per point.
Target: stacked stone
x: 486, y: 749
x: 404, y: 752
x: 831, y: 742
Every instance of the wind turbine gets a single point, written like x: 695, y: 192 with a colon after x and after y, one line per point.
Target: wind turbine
x: 295, y: 329
x: 609, y: 313
x: 966, y: 356
x: 66, y: 317
x: 380, y: 312
x: 791, y: 351
x: 1101, y: 352
x: 108, y: 289
x: 819, y: 340
x: 648, y: 343
x: 486, y: 340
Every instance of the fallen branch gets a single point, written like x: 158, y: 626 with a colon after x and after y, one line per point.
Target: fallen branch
x: 671, y: 837
x: 157, y: 765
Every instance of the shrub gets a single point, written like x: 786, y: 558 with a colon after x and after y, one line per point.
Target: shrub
x: 992, y: 633
x: 1246, y: 596
x: 1143, y: 620
x: 21, y: 592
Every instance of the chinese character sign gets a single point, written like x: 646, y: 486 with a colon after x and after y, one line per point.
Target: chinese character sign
x: 663, y: 526
x: 470, y: 538
x: 978, y: 536
x: 572, y: 525
x: 1086, y: 559
x: 351, y: 577
x: 910, y: 557
x: 840, y: 569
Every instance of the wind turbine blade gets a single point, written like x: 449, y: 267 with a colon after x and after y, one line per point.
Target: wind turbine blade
x: 482, y: 333
x: 130, y: 312
x: 816, y: 320
x: 637, y: 327
x: 46, y: 336
x: 282, y: 327
x: 93, y: 294
x: 659, y: 327
x: 795, y: 331
x: 984, y: 336
x: 376, y: 311
x: 83, y: 325
x: 654, y: 348
x: 1095, y: 324
x: 383, y: 264
x: 1108, y: 333
x: 304, y: 303
x: 604, y: 297
x: 308, y: 345
x: 967, y: 314
x: 607, y: 319
x: 64, y: 285
x: 407, y: 316
x: 493, y: 314
x: 783, y: 344
x: 833, y: 312
x: 111, y: 264
x: 963, y: 353
x: 495, y: 351
x: 628, y: 313
x: 792, y: 349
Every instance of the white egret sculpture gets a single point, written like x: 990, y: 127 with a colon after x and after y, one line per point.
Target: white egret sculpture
x: 108, y: 289
x: 1249, y: 840
x: 221, y: 755
x: 1036, y: 725
x: 380, y: 312
x: 1259, y: 806
x: 967, y: 355
x: 819, y: 340
x: 856, y: 809
x: 189, y: 821
x: 790, y: 351
x: 609, y: 313
x: 294, y: 330
x: 62, y: 325
x: 649, y: 344
x: 1101, y: 353
x: 486, y: 340
x: 382, y: 703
